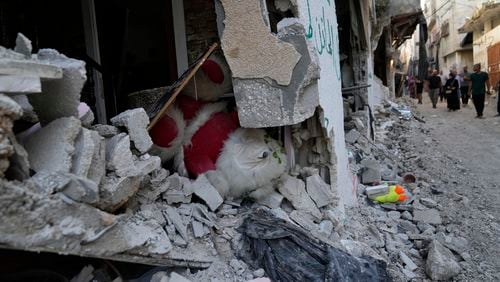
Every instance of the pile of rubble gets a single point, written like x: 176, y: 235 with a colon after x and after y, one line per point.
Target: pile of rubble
x: 71, y: 186
x: 410, y: 236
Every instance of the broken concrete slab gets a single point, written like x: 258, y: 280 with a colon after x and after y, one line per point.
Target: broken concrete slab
x: 430, y: 216
x: 294, y: 190
x: 60, y: 98
x: 23, y: 46
x: 85, y: 149
x: 174, y: 218
x: 245, y: 48
x: 116, y: 191
x: 97, y: 168
x: 25, y: 68
x: 409, y: 264
x: 106, y: 131
x: 371, y: 171
x: 265, y: 103
x: 145, y: 165
x: 75, y: 187
x: 199, y: 229
x: 136, y: 121
x: 51, y: 148
x: 10, y: 84
x: 319, y: 191
x: 203, y: 189
x: 441, y: 264
x: 119, y: 157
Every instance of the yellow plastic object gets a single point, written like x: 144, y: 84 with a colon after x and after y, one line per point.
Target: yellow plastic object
x: 396, y: 194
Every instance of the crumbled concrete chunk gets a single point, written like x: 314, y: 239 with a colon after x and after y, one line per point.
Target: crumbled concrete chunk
x: 85, y: 147
x: 430, y: 216
x: 73, y: 186
x: 136, y: 122
x: 10, y: 84
x: 106, y: 131
x: 97, y: 168
x: 118, y: 154
x: 441, y: 264
x: 23, y: 46
x: 204, y: 190
x: 293, y: 189
x: 116, y: 191
x: 51, y: 148
x: 319, y: 191
x: 60, y: 98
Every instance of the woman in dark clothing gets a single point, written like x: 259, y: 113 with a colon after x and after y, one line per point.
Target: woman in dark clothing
x: 451, y: 90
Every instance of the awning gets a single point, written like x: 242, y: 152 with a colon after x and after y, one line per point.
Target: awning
x: 403, y: 27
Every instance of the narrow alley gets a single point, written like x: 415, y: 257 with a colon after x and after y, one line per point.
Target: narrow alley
x: 462, y: 157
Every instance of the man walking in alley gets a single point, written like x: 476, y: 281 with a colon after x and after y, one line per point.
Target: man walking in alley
x: 434, y: 87
x: 479, y: 86
x: 464, y: 85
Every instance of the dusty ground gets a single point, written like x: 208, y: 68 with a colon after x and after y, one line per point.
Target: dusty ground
x: 461, y: 155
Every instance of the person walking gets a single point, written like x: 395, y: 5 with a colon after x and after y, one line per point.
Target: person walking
x: 434, y: 87
x: 442, y: 94
x: 479, y: 86
x: 419, y: 88
x: 451, y: 91
x: 464, y: 77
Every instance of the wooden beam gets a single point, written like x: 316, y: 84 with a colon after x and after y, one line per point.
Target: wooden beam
x: 191, y: 72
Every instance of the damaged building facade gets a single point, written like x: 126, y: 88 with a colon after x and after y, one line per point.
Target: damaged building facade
x: 81, y: 174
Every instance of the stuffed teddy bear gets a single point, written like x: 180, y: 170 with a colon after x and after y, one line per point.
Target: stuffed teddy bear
x: 203, y: 138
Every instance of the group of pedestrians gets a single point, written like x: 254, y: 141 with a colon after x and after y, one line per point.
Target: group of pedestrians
x: 455, y: 88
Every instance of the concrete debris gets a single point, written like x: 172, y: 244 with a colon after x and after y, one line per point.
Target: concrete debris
x: 106, y: 131
x: 14, y: 85
x: 51, y: 148
x: 305, y: 220
x: 293, y: 190
x: 263, y: 102
x: 202, y: 188
x: 85, y: 149
x: 371, y: 171
x: 23, y: 46
x: 119, y: 157
x: 97, y: 168
x: 9, y: 112
x: 352, y: 136
x: 116, y: 191
x: 319, y: 191
x: 19, y: 168
x: 136, y: 122
x: 243, y: 45
x: 409, y: 264
x: 24, y: 68
x: 430, y: 216
x: 441, y: 264
x: 174, y: 218
x: 428, y: 202
x: 174, y: 277
x: 73, y: 186
x: 60, y: 98
x: 29, y: 114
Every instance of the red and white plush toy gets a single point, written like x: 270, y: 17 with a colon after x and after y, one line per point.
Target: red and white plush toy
x: 203, y: 138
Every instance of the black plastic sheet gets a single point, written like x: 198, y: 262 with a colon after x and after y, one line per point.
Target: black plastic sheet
x: 288, y: 253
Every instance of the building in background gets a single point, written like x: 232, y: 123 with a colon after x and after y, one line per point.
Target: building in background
x: 447, y: 48
x: 483, y: 27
